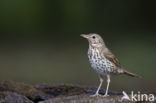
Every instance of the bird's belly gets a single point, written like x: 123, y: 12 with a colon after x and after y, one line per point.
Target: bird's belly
x: 101, y: 66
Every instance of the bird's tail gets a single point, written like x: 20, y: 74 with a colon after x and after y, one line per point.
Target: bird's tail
x: 131, y: 74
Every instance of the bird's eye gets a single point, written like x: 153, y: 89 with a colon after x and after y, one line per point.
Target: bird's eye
x: 93, y: 37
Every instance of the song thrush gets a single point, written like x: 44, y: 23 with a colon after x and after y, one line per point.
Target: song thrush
x: 103, y: 61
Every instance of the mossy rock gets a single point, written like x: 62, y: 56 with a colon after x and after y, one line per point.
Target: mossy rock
x: 16, y: 92
x: 10, y: 97
x: 23, y: 89
x: 86, y: 99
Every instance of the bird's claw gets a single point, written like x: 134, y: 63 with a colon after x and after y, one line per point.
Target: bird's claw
x: 106, y: 95
x: 96, y: 95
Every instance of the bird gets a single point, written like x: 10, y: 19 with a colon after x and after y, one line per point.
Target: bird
x: 103, y: 61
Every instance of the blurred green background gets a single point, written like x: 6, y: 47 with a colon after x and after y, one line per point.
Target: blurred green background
x: 40, y: 41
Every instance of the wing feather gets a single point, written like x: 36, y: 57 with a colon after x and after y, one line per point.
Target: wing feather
x: 108, y: 55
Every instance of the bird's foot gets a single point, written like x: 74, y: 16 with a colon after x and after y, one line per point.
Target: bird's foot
x: 96, y: 95
x: 106, y: 95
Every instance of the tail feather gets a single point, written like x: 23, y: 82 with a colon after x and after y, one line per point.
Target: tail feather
x: 131, y: 74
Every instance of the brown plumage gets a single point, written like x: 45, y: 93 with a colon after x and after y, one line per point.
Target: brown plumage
x: 102, y: 60
x: 107, y: 53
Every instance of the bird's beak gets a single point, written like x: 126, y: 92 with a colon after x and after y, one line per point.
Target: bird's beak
x: 84, y: 35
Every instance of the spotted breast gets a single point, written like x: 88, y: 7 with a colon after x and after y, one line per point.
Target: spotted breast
x: 100, y: 64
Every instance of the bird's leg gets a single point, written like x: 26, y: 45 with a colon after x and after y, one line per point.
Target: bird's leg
x: 97, y: 92
x: 108, y: 82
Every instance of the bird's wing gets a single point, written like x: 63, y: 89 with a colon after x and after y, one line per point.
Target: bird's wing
x: 108, y: 55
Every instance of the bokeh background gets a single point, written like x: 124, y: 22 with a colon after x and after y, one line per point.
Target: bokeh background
x: 40, y: 41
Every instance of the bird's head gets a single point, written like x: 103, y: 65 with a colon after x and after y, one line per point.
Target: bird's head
x: 94, y: 39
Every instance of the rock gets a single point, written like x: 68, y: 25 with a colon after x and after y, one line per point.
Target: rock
x: 86, y: 99
x: 10, y: 97
x: 24, y: 89
x: 57, y: 90
x: 76, y: 94
x: 70, y: 90
x: 16, y: 92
